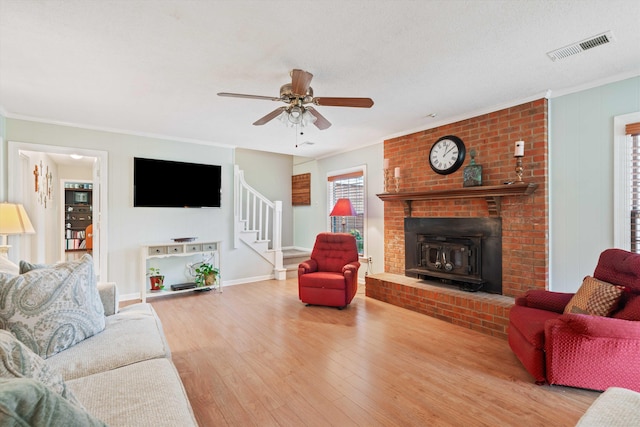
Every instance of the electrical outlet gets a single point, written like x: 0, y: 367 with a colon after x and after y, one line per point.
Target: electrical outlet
x: 369, y: 260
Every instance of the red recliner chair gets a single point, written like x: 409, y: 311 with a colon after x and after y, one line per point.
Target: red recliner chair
x: 330, y: 276
x: 582, y: 350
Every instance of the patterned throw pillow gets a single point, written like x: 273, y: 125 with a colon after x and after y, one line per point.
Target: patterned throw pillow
x: 52, y: 309
x: 17, y: 361
x: 26, y: 266
x: 594, y: 297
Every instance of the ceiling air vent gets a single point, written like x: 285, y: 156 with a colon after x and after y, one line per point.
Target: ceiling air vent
x: 581, y: 46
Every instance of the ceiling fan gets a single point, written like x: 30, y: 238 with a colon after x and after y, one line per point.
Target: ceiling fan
x: 298, y: 95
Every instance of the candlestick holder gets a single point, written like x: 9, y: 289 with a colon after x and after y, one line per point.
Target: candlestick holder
x: 386, y: 180
x: 397, y: 178
x: 519, y: 168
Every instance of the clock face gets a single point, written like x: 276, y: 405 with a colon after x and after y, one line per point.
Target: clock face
x: 447, y: 155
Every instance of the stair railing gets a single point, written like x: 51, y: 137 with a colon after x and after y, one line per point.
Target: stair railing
x: 254, y: 212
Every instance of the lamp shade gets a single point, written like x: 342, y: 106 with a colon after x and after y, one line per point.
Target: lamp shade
x: 14, y: 220
x: 343, y: 207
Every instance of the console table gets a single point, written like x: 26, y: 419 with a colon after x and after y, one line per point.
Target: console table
x: 175, y: 249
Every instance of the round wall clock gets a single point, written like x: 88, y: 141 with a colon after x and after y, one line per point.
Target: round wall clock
x: 447, y: 155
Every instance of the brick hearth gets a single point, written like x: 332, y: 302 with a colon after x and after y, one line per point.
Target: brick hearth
x: 480, y: 311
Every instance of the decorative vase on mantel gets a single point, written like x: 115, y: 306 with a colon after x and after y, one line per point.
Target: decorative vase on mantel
x: 472, y: 176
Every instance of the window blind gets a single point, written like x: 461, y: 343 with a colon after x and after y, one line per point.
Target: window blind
x: 633, y: 168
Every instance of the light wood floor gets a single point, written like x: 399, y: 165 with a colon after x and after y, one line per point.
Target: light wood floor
x: 255, y: 355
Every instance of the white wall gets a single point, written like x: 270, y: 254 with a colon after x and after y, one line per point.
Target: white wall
x: 581, y: 177
x: 3, y: 160
x: 313, y: 219
x: 130, y: 227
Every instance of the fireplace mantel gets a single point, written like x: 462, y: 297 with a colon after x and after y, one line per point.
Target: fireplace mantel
x: 492, y: 193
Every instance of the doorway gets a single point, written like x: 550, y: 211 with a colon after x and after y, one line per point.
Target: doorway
x: 77, y: 215
x: 45, y: 246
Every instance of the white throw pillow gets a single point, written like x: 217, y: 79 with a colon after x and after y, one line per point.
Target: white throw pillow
x: 52, y: 309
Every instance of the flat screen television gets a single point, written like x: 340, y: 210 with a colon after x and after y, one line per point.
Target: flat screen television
x: 171, y: 184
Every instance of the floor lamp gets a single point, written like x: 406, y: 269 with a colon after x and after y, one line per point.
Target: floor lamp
x: 343, y: 208
x: 13, y: 220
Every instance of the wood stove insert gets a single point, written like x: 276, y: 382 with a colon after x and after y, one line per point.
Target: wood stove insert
x: 463, y: 252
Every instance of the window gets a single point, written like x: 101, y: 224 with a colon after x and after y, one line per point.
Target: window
x: 349, y: 184
x: 626, y: 184
x: 633, y: 169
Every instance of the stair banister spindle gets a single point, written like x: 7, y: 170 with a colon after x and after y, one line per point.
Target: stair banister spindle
x: 261, y: 207
x: 253, y: 212
x: 245, y: 215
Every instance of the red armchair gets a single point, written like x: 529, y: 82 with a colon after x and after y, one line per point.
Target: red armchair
x: 330, y: 276
x: 582, y: 350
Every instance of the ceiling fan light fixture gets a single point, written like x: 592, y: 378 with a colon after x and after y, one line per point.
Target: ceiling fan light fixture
x: 308, y: 118
x: 295, y: 115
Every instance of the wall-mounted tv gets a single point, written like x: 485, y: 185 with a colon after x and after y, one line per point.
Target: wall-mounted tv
x: 171, y: 184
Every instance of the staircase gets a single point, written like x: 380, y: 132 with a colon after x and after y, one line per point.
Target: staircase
x: 258, y: 223
x: 291, y: 258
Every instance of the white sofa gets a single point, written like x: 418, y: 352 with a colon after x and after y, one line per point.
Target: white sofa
x: 122, y: 375
x: 616, y: 407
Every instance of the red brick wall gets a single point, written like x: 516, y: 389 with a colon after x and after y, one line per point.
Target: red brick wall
x: 524, y: 219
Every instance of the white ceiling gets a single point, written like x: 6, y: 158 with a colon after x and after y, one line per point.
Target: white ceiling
x: 154, y: 67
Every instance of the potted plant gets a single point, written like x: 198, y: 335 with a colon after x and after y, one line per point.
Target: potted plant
x: 156, y: 279
x: 206, y: 275
x: 356, y: 233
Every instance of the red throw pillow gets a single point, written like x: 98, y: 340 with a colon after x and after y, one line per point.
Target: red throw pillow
x: 631, y: 310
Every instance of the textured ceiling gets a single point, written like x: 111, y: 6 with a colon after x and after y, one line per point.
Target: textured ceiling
x: 154, y: 67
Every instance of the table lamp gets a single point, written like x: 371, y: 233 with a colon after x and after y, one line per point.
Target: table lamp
x: 343, y: 208
x: 13, y: 220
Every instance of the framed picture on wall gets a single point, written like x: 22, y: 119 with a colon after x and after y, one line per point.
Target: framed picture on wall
x: 301, y: 189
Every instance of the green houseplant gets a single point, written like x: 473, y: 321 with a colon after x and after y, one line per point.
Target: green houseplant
x: 360, y: 244
x: 206, y: 275
x: 156, y: 279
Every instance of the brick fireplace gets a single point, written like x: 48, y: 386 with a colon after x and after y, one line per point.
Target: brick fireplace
x: 524, y: 217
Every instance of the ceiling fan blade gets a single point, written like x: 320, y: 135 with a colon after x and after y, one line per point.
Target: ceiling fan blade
x: 300, y: 81
x: 344, y: 102
x: 241, y: 95
x: 321, y: 123
x: 272, y: 115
